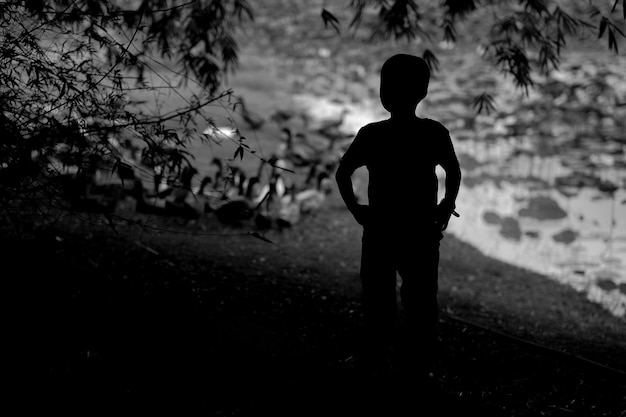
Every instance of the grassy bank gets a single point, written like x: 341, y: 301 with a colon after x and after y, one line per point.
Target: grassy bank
x: 216, y: 321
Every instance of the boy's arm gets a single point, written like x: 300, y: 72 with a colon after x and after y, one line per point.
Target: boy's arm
x: 450, y: 164
x: 344, y: 183
x: 352, y: 159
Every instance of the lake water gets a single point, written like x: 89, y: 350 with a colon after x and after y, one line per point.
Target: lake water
x: 576, y: 236
x: 543, y: 188
x: 514, y: 208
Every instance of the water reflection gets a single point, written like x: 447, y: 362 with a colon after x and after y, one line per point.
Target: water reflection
x: 553, y: 205
x: 547, y: 214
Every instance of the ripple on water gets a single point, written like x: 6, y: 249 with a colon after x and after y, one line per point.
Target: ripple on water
x: 510, y: 229
x: 607, y: 282
x: 491, y: 217
x: 566, y: 236
x: 543, y: 208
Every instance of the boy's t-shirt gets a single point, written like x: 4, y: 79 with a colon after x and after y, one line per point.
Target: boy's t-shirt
x: 401, y: 157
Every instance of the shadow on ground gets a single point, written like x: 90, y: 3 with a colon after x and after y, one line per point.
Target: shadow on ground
x: 100, y: 326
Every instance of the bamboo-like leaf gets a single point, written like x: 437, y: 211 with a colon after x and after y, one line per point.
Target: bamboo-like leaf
x: 449, y: 32
x: 356, y: 20
x: 459, y: 7
x: 603, y: 24
x: 242, y: 7
x: 484, y: 101
x: 614, y: 6
x: 239, y: 153
x: 431, y: 60
x: 613, y: 41
x: 538, y: 6
x: 329, y: 18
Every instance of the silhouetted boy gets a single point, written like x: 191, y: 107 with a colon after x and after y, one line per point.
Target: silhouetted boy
x: 403, y: 223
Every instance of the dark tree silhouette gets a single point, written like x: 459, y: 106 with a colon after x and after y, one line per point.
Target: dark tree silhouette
x: 516, y: 36
x: 69, y: 70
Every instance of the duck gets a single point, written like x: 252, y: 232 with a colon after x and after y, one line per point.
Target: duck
x: 84, y: 192
x: 206, y: 192
x: 205, y: 186
x: 148, y: 204
x: 278, y: 187
x: 262, y: 213
x: 262, y: 220
x: 236, y: 182
x: 253, y: 185
x: 312, y: 199
x: 282, y: 116
x: 242, y: 202
x: 183, y: 185
x: 330, y: 127
x: 268, y: 200
x: 296, y: 154
x: 289, y: 211
x: 253, y: 190
x: 219, y: 170
x: 220, y: 180
x: 181, y: 200
x: 233, y: 212
x: 162, y: 186
x: 315, y: 141
x: 313, y: 171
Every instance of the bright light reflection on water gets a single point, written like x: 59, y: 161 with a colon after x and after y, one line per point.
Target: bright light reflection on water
x: 576, y: 236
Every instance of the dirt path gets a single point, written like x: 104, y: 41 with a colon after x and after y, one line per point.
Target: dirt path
x: 244, y: 328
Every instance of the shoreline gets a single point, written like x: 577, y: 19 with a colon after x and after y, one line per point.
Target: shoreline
x: 324, y: 249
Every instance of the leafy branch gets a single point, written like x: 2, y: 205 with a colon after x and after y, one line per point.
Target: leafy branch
x: 518, y: 30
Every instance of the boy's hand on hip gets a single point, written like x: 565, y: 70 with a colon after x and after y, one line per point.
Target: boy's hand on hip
x: 444, y: 211
x: 361, y: 214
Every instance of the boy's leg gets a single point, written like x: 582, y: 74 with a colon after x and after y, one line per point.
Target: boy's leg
x: 418, y: 268
x: 378, y: 279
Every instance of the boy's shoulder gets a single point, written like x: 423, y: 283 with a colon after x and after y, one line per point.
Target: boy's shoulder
x: 388, y: 123
x: 434, y: 124
x: 373, y: 126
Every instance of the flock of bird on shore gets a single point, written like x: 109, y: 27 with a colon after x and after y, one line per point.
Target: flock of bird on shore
x: 293, y: 182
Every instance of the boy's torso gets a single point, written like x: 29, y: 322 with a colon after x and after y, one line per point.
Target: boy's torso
x: 401, y: 161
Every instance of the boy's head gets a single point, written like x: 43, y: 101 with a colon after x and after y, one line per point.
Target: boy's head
x: 403, y: 82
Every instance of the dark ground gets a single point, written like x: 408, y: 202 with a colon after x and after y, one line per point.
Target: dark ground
x: 105, y: 323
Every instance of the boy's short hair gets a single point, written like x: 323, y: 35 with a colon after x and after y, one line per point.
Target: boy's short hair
x: 403, y: 81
